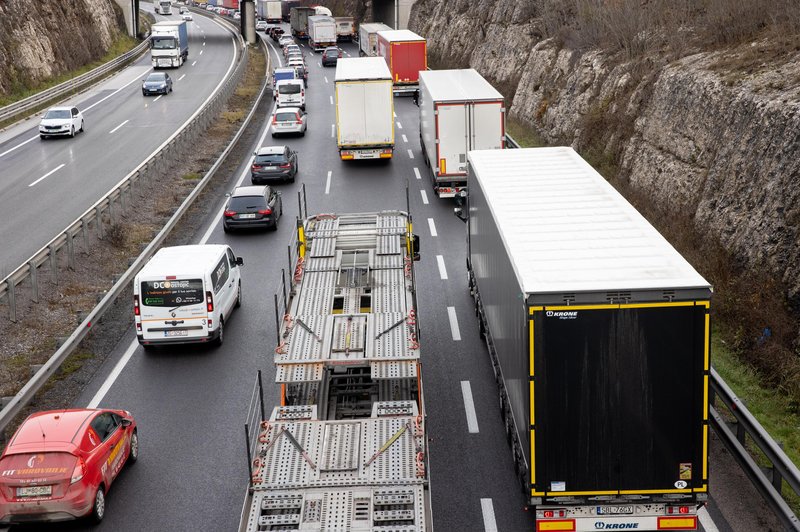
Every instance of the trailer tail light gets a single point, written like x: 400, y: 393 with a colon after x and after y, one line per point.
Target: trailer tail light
x: 346, y: 155
x: 553, y: 514
x: 563, y: 525
x: 684, y: 522
x: 136, y: 311
x: 209, y: 303
x: 674, y: 510
x: 386, y: 154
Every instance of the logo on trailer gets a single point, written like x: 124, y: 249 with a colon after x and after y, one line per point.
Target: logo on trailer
x: 562, y: 314
x: 600, y: 525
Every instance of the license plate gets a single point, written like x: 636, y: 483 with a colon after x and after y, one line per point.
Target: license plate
x: 614, y: 510
x: 176, y: 333
x: 269, y: 168
x: 34, y: 491
x: 247, y: 216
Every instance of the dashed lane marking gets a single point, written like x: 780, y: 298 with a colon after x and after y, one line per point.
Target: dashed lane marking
x: 119, y: 126
x: 440, y: 263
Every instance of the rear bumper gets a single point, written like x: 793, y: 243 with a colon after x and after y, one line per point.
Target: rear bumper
x: 76, y: 504
x: 257, y: 178
x: 250, y: 224
x: 213, y: 335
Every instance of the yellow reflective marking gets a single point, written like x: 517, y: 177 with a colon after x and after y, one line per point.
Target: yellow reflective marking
x: 705, y: 451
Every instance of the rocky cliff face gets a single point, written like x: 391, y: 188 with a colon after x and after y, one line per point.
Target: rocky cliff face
x: 704, y: 136
x: 44, y: 38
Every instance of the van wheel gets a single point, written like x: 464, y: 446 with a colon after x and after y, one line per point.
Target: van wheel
x: 221, y: 337
x: 99, y: 506
x: 239, y: 296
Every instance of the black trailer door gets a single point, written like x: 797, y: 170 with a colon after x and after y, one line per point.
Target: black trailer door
x: 619, y: 398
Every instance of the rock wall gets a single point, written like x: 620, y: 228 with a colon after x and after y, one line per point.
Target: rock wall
x: 717, y: 144
x: 40, y: 39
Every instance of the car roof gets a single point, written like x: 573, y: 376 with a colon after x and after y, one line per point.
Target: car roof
x: 285, y: 70
x: 332, y: 48
x: 250, y: 190
x: 287, y: 110
x: 60, y: 108
x: 52, y: 429
x: 271, y: 150
x: 182, y: 260
x: 282, y: 82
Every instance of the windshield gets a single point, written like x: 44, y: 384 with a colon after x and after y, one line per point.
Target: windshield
x: 270, y: 158
x: 289, y: 88
x: 163, y: 43
x: 57, y: 113
x: 156, y: 78
x: 172, y: 293
x: 247, y: 203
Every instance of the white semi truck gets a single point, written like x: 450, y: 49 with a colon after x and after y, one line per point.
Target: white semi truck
x: 364, y: 108
x: 169, y: 43
x: 321, y: 32
x: 368, y: 38
x: 162, y: 7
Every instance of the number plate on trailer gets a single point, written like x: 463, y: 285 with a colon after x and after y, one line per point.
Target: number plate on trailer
x: 614, y: 510
x: 34, y: 491
x: 247, y: 216
x: 176, y: 333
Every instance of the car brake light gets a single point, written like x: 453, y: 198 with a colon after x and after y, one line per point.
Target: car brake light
x: 229, y: 214
x: 274, y: 119
x: 209, y: 302
x: 265, y: 211
x: 287, y: 165
x: 136, y: 305
x: 78, y: 472
x: 256, y: 166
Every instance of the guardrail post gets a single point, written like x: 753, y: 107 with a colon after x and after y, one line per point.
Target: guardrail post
x: 34, y: 273
x: 53, y: 263
x: 111, y: 210
x: 98, y: 221
x: 70, y: 252
x: 777, y: 478
x: 84, y: 223
x: 12, y: 301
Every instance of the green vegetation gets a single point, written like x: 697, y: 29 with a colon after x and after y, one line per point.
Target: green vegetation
x: 73, y: 363
x: 192, y: 176
x: 525, y: 137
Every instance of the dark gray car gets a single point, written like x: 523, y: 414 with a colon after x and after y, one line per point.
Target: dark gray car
x: 157, y: 83
x: 252, y: 207
x: 273, y: 162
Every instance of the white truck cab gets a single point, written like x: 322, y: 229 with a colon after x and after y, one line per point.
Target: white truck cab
x: 184, y: 294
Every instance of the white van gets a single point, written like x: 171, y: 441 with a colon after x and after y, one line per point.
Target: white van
x: 290, y: 93
x: 184, y: 294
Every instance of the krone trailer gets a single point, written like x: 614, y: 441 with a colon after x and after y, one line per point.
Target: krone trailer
x: 321, y: 32
x: 364, y: 109
x: 169, y: 43
x: 298, y: 20
x: 459, y: 111
x: 345, y: 28
x: 368, y: 38
x: 598, y: 332
x: 406, y: 54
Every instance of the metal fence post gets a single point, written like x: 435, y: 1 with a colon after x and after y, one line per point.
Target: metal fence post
x: 84, y: 223
x: 70, y: 252
x: 12, y: 301
x: 98, y: 222
x: 249, y: 455
x: 53, y: 263
x: 34, y: 281
x: 261, y: 396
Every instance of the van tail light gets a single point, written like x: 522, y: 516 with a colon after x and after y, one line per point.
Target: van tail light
x: 78, y: 472
x: 229, y: 214
x: 136, y: 311
x: 302, y: 93
x: 265, y: 211
x: 209, y: 302
x: 274, y: 119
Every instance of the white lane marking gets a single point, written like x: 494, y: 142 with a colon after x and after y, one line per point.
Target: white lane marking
x: 469, y: 406
x: 451, y: 315
x: 440, y: 263
x: 319, y: 64
x: 331, y: 97
x: 204, y: 43
x: 328, y: 183
x: 48, y: 174
x: 487, y: 509
x: 394, y: 114
x: 19, y: 145
x: 416, y: 173
x: 157, y: 98
x: 333, y: 130
x: 183, y: 76
x: 410, y: 154
x: 113, y: 376
x: 201, y: 52
x: 405, y: 139
x: 119, y: 126
x: 424, y: 197
x: 706, y: 521
x: 326, y: 79
x: 432, y: 226
x: 193, y: 64
x: 399, y: 125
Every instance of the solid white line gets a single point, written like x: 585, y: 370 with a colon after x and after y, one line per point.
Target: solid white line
x: 157, y: 98
x: 706, y: 521
x: 183, y: 76
x: 119, y: 126
x: 48, y: 174
x: 410, y: 154
x: 469, y: 408
x: 487, y: 509
x: 113, y: 376
x: 424, y: 197
x: 399, y: 125
x: 440, y: 263
x: 451, y: 314
x: 328, y: 183
x: 405, y: 139
x: 432, y: 226
x: 326, y: 79
x: 416, y: 173
x: 331, y: 97
x: 193, y: 64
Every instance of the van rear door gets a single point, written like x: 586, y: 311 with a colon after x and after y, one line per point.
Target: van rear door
x: 173, y: 308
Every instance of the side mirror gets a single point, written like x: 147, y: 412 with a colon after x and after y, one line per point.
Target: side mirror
x: 227, y: 194
x: 415, y: 246
x: 239, y: 261
x: 460, y: 214
x: 126, y: 422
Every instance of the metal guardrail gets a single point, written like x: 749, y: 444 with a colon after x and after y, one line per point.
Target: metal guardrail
x: 40, y: 99
x: 182, y: 138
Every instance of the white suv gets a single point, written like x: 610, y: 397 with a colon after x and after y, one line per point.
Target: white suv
x: 60, y: 121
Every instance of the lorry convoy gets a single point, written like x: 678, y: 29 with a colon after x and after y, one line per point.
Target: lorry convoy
x: 459, y: 111
x: 364, y: 108
x: 169, y: 43
x: 406, y: 54
x: 347, y: 448
x: 598, y: 332
x: 321, y: 32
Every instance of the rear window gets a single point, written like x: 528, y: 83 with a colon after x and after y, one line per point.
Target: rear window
x: 247, y: 203
x: 271, y: 158
x: 39, y: 466
x: 289, y: 88
x: 285, y: 117
x: 172, y: 293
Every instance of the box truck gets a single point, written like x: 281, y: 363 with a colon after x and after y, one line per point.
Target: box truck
x: 598, y: 333
x: 270, y: 10
x: 459, y: 111
x: 364, y: 109
x: 286, y: 7
x: 368, y: 38
x: 162, y: 7
x: 169, y: 43
x: 321, y: 32
x: 298, y: 19
x: 345, y: 28
x: 406, y: 54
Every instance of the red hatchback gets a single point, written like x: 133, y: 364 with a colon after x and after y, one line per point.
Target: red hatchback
x: 60, y: 464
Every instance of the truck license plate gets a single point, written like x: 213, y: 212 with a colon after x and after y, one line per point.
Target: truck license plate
x: 34, y: 491
x: 614, y: 510
x: 176, y: 333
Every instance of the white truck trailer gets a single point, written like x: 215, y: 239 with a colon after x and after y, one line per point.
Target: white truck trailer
x: 368, y: 38
x: 270, y: 10
x: 459, y: 111
x: 347, y: 448
x: 364, y: 108
x: 162, y: 7
x: 345, y: 28
x: 169, y: 43
x: 321, y: 32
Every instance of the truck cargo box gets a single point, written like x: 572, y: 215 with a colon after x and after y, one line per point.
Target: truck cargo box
x: 321, y: 32
x: 298, y: 19
x: 345, y: 28
x: 599, y: 334
x: 368, y: 38
x: 405, y: 53
x: 459, y: 111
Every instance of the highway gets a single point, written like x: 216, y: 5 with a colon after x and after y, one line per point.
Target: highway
x: 190, y: 402
x: 46, y: 184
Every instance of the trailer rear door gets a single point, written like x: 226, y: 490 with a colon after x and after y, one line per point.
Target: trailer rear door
x: 452, y: 122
